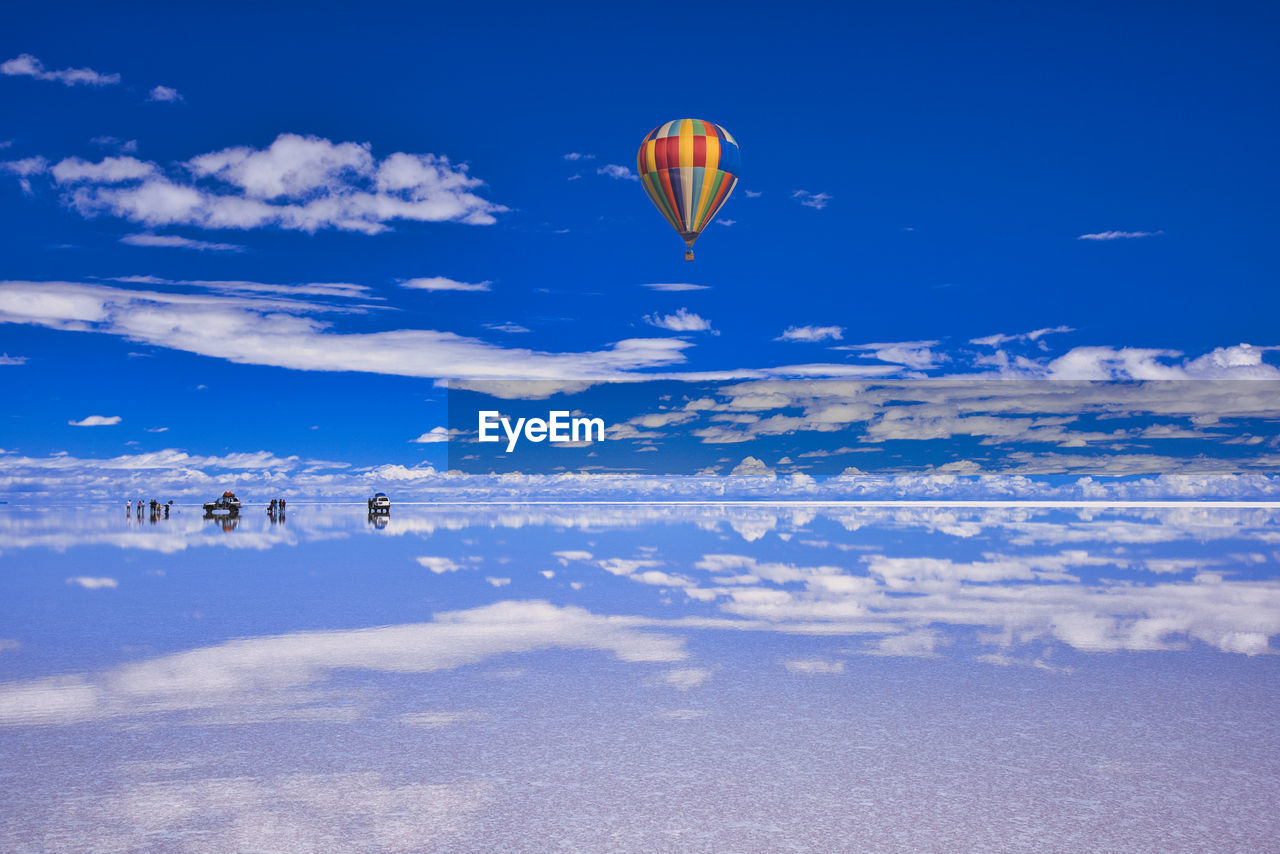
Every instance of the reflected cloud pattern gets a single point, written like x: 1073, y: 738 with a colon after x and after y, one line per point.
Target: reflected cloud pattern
x: 472, y: 676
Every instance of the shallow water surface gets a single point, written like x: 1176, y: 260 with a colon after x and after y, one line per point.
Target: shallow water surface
x: 640, y: 677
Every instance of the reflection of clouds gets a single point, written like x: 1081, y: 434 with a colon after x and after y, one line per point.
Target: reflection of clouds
x: 1016, y: 601
x: 812, y: 666
x: 352, y: 811
x: 280, y: 672
x: 62, y: 530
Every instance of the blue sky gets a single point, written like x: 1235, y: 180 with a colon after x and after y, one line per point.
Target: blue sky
x: 919, y: 176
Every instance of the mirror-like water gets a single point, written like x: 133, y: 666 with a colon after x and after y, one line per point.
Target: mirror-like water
x: 640, y: 677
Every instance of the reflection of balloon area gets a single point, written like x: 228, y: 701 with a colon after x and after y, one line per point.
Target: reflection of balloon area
x: 688, y: 167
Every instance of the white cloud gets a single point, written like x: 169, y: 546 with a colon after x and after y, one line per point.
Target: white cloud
x: 1118, y: 235
x: 497, y: 582
x: 811, y: 200
x: 674, y: 286
x: 432, y: 436
x: 173, y: 241
x: 682, y: 321
x: 287, y: 333
x: 96, y: 421
x: 1034, y: 335
x: 812, y: 333
x: 917, y: 644
x: 26, y: 65
x: 242, y: 288
x: 435, y: 720
x: 301, y: 183
x: 124, y: 146
x: 727, y: 221
x: 6, y: 359
x: 509, y: 328
x: 918, y: 355
x: 1107, y: 363
x: 89, y: 583
x: 685, y: 678
x: 751, y: 194
x: 345, y: 811
x: 440, y: 283
x: 25, y: 169
x: 438, y: 565
x: 751, y: 467
x: 111, y: 170
x: 573, y: 155
x: 613, y: 170
x: 165, y: 94
x: 281, y: 672
x: 814, y: 666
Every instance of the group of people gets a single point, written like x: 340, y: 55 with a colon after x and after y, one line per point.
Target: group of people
x: 155, y: 507
x: 276, y: 509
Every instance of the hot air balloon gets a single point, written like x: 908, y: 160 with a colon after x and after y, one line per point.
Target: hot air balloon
x: 688, y: 167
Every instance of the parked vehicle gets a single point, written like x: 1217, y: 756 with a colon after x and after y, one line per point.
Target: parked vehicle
x: 228, y: 505
x: 379, y: 504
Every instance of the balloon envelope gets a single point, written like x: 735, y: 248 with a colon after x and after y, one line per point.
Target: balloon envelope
x: 688, y: 167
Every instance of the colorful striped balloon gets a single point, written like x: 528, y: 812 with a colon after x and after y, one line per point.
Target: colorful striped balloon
x: 688, y: 167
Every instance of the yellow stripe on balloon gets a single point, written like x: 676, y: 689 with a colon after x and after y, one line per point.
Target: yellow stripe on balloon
x: 650, y: 159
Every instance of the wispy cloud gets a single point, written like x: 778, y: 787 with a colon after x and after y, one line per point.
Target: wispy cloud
x: 440, y: 283
x: 166, y: 94
x: 25, y: 169
x: 573, y: 155
x: 26, y: 65
x: 919, y: 355
x: 622, y: 173
x: 227, y: 286
x: 89, y: 583
x: 439, y: 565
x: 1034, y: 335
x: 815, y: 666
x: 674, y: 286
x: 812, y: 333
x: 752, y: 194
x: 727, y: 221
x: 284, y: 670
x: 509, y: 328
x: 682, y: 321
x: 1118, y: 235
x: 433, y: 436
x: 96, y: 421
x: 291, y: 334
x: 811, y: 200
x: 122, y: 146
x: 173, y: 241
x: 301, y: 183
x: 6, y: 359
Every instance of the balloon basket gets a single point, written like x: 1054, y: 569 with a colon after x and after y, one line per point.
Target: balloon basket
x: 688, y: 254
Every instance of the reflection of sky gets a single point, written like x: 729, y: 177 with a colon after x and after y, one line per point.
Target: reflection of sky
x: 706, y: 677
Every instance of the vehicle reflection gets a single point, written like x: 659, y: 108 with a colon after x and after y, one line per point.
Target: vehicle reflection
x: 228, y: 522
